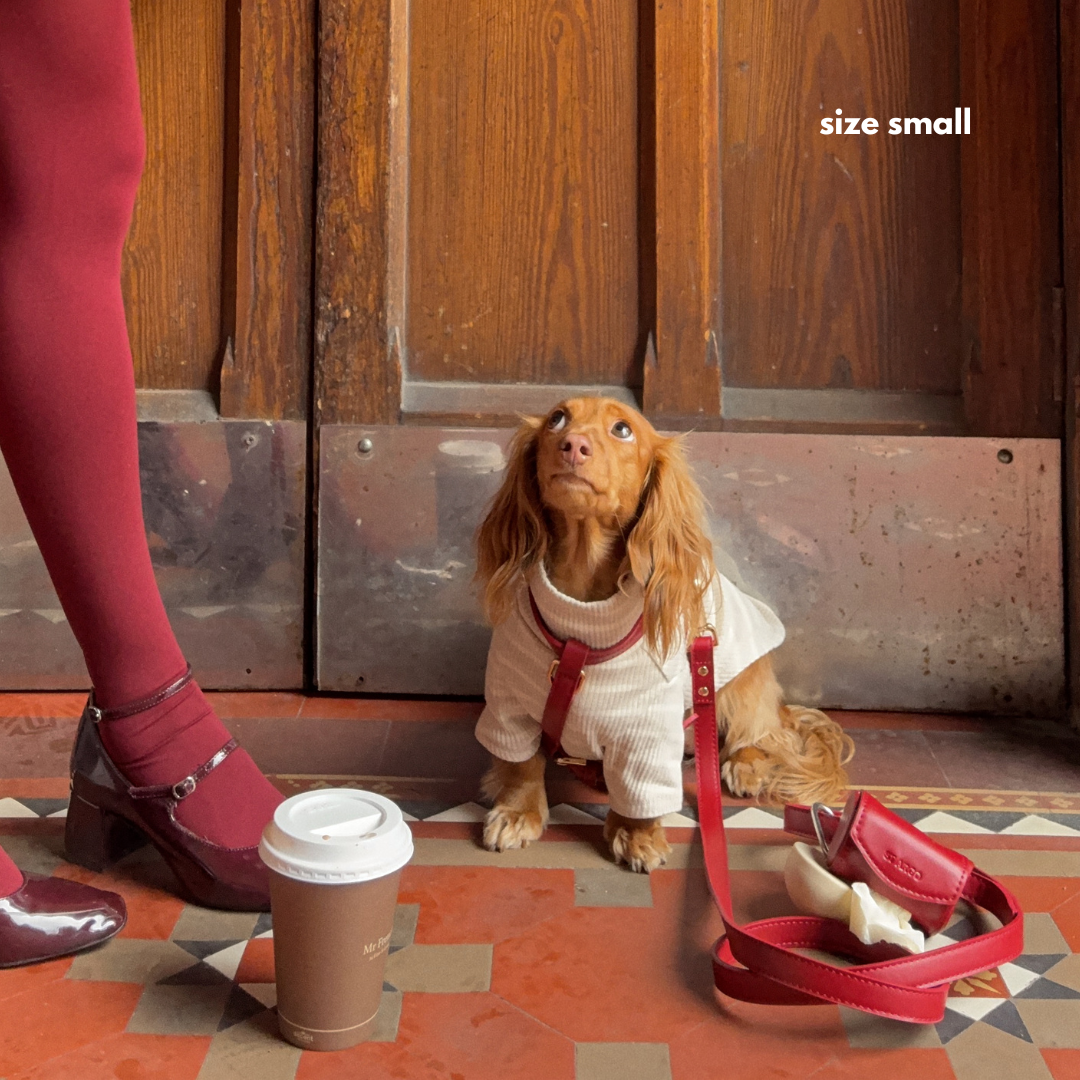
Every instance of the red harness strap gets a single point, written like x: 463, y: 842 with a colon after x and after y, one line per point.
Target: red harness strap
x: 757, y: 962
x: 567, y: 673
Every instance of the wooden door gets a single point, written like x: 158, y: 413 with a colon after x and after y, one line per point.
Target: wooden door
x: 520, y: 202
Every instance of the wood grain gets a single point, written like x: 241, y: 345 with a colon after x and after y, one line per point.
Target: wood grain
x: 267, y: 372
x: 522, y: 230
x: 682, y: 363
x: 841, y: 253
x: 358, y: 349
x: 172, y: 259
x: 1011, y: 207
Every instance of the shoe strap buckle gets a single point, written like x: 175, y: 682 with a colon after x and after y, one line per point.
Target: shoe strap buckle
x: 183, y: 788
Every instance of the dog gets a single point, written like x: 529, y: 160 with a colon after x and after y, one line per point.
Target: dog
x: 598, y: 521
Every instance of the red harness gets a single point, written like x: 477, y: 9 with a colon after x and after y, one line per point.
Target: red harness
x: 758, y: 962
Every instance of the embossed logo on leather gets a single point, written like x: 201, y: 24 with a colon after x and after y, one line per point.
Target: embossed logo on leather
x: 904, y: 867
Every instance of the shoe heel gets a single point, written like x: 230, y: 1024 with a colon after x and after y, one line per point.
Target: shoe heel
x: 96, y: 838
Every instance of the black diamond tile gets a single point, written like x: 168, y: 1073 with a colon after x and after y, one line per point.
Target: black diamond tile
x: 424, y: 808
x: 994, y: 820
x: 961, y: 930
x: 1040, y: 962
x: 264, y: 923
x: 596, y: 810
x: 44, y: 807
x: 200, y: 974
x: 389, y: 986
x: 202, y: 949
x: 951, y: 1025
x: 1006, y: 1018
x: 239, y: 1006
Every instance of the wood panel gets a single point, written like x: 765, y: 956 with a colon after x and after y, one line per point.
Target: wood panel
x: 359, y: 281
x: 270, y: 213
x: 682, y: 361
x: 840, y: 253
x: 1011, y: 208
x: 172, y: 259
x: 522, y: 226
x: 1069, y: 53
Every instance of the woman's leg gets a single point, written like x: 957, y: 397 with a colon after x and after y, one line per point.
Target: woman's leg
x: 71, y: 149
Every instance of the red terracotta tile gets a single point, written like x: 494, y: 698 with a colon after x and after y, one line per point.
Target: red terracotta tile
x: 257, y: 966
x: 1063, y: 1064
x: 851, y: 720
x: 621, y: 974
x: 327, y: 747
x: 403, y: 709
x: 765, y: 1040
x: 891, y: 756
x: 127, y: 1057
x: 61, y: 1016
x: 451, y: 1036
x: 19, y: 980
x: 42, y: 705
x: 279, y: 706
x: 1041, y: 894
x: 476, y: 905
x: 36, y: 747
x: 146, y: 886
x: 35, y: 787
x: 1067, y: 917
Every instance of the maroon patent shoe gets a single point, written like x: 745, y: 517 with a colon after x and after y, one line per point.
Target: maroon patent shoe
x: 108, y: 818
x: 50, y: 917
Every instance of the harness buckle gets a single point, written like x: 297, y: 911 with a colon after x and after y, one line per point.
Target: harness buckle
x: 555, y: 667
x: 571, y: 761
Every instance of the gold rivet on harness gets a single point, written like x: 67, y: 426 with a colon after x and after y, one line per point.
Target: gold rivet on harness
x: 703, y: 670
x: 703, y: 691
x: 555, y: 667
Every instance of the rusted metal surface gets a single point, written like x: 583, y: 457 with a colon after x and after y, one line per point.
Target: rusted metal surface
x: 912, y: 573
x: 224, y: 509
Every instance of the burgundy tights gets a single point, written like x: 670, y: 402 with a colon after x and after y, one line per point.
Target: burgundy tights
x: 71, y: 152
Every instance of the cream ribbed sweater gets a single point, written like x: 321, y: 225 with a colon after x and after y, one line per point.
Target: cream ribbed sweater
x: 630, y: 709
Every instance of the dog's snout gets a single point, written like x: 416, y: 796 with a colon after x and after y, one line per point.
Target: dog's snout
x: 575, y: 449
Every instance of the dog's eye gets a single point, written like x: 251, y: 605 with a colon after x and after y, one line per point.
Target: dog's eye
x: 622, y: 430
x: 557, y: 420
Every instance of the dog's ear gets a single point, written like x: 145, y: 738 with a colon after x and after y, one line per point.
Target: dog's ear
x: 514, y: 535
x: 669, y: 551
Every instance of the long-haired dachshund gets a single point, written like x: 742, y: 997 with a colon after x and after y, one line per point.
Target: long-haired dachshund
x: 598, y: 522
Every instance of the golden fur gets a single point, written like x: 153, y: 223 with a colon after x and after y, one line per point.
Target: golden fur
x: 597, y: 507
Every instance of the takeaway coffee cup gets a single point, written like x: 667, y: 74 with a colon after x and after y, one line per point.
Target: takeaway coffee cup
x: 334, y: 857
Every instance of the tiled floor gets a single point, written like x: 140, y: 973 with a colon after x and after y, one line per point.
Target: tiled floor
x: 549, y: 962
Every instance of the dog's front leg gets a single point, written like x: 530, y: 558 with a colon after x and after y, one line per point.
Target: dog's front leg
x: 638, y: 842
x: 521, y: 808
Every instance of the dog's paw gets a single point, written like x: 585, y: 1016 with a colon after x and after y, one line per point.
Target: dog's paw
x: 505, y: 829
x: 642, y: 846
x: 748, y: 772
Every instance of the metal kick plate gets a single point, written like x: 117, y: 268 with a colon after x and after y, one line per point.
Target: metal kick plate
x: 225, y: 519
x: 911, y: 573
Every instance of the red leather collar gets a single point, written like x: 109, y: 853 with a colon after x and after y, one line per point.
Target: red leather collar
x: 595, y: 656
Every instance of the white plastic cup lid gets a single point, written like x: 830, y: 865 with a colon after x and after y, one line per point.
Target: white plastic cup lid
x: 336, y: 836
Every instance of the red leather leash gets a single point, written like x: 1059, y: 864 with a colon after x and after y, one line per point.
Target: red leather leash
x: 567, y: 673
x: 756, y: 962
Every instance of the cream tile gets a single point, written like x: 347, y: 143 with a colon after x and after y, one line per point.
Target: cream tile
x: 131, y: 960
x: 565, y: 814
x: 1016, y: 978
x: 37, y: 854
x: 678, y: 821
x: 866, y: 1032
x: 440, y: 969
x: 1041, y: 934
x: 983, y: 1052
x: 228, y: 960
x: 611, y: 887
x: 940, y: 822
x: 12, y: 808
x: 469, y: 811
x: 753, y: 817
x: 404, y: 930
x: 1052, y: 1024
x: 203, y: 924
x: 618, y: 1061
x: 179, y: 1010
x: 252, y: 1050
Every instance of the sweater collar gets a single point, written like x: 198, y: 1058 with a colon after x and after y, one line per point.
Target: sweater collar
x: 597, y: 623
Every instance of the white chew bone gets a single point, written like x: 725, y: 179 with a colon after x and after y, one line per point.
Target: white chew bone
x: 869, y: 916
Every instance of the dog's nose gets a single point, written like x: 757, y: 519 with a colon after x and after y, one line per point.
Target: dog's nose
x: 575, y: 449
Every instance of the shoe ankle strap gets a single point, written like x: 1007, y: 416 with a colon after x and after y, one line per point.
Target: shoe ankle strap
x: 97, y: 714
